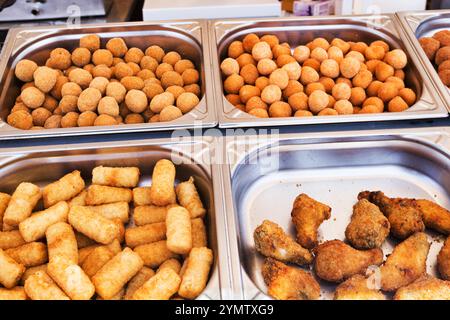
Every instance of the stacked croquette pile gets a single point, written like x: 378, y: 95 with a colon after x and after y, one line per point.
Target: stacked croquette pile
x: 94, y: 87
x: 266, y: 78
x: 437, y: 49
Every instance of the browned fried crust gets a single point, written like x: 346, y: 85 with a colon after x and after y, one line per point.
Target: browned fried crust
x: 356, y: 288
x: 443, y: 260
x: 434, y: 216
x: 425, y: 288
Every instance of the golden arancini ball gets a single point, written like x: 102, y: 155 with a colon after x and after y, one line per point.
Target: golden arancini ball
x: 163, y: 68
x: 317, y: 101
x: 293, y: 87
x: 319, y: 54
x: 233, y: 83
x: 372, y: 65
x: 81, y: 57
x: 245, y: 59
x: 311, y: 87
x: 335, y: 53
x: 258, y: 112
x: 320, y: 43
x: 381, y: 43
x: 108, y: 105
x: 343, y: 107
x: 372, y: 89
x: 301, y: 53
x: 53, y: 122
x: 249, y: 42
x: 271, y: 39
x: 370, y: 108
x: 344, y: 80
x: 171, y: 58
x: 56, y: 91
x: 136, y: 101
x: 20, y: 120
x: 91, y: 42
x: 313, y: 63
x: 358, y: 46
x: 99, y: 83
x: 58, y: 111
x: 387, y: 91
x: 261, y: 50
x: 255, y: 102
x: 20, y: 106
x: 86, y: 119
x: 262, y: 82
x: 357, y: 55
x: 383, y: 71
x: 341, y: 91
x: 156, y: 52
x: 349, y: 67
x: 246, y: 92
x: 284, y: 59
x: 81, y: 77
x: 184, y: 64
x: 116, y: 90
x: 186, y: 102
x: 396, y: 58
x: 32, y: 97
x: 344, y: 46
x: 117, y: 46
x: 266, y: 66
x: 149, y: 63
x: 161, y: 101
x: 122, y: 70
x: 194, y: 88
x: 44, y: 78
x: 102, y: 56
x: 102, y: 71
x: 271, y: 93
x: 408, y: 95
x: 88, y: 99
x: 235, y: 49
x: 154, y: 118
x: 152, y: 89
x: 327, y: 83
x: 135, y: 67
x: 117, y: 60
x: 40, y: 115
x: 374, y: 101
x: 280, y: 78
x: 397, y: 104
x: 444, y: 65
x: 358, y: 95
x: 293, y: 70
x: 234, y: 99
x: 250, y: 73
x: 298, y: 101
x: 134, y: 118
x: 68, y: 103
x: 308, y: 75
x: 443, y: 37
x: 430, y: 46
x: 60, y: 59
x: 133, y: 55
x: 397, y: 81
x: 328, y: 112
x: 89, y: 67
x: 152, y: 80
x: 190, y: 76
x: 329, y: 68
x: 279, y: 49
x: 374, y: 53
x: 362, y: 79
x: 175, y: 90
x: 280, y: 109
x: 70, y: 120
x: 170, y: 78
x: 303, y: 113
x: 24, y: 70
x: 105, y: 120
x: 399, y: 74
x: 145, y: 74
x: 50, y: 103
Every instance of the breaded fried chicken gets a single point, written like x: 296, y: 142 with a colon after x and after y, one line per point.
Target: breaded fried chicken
x: 434, y: 216
x: 443, y: 260
x: 425, y: 288
x: 357, y: 288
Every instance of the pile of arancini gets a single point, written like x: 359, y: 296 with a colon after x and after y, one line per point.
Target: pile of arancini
x: 266, y: 78
x: 437, y: 49
x: 93, y: 86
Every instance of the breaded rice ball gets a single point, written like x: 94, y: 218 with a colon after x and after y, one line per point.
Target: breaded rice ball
x: 152, y: 89
x: 56, y: 91
x: 249, y: 42
x: 53, y: 122
x: 444, y: 75
x: 88, y: 99
x: 20, y: 120
x: 301, y: 53
x: 81, y: 77
x: 171, y: 78
x: 91, y: 42
x: 303, y: 113
x: 279, y: 50
x: 184, y: 64
x: 25, y: 69
x: 99, y: 83
x: 134, y: 55
x: 262, y: 82
x: 343, y: 107
x: 250, y: 73
x: 271, y: 94
x: 374, y: 101
x: 374, y: 53
x: 266, y: 66
x: 319, y: 54
x: 396, y: 58
x: 81, y: 57
x: 154, y: 118
x: 271, y: 39
x: 50, y: 103
x: 71, y: 88
x: 116, y: 90
x: 381, y: 43
x: 359, y: 46
x: 362, y: 79
x: 102, y: 56
x: 148, y: 63
x: 108, y: 105
x: 235, y: 49
x: 443, y: 37
x: 387, y: 91
x: 293, y: 87
x: 135, y: 67
x: 89, y: 67
x: 86, y: 119
x: 136, y: 101
x: 285, y: 59
x: 229, y: 66
x: 60, y: 59
x: 105, y: 120
x: 175, y: 90
x: 441, y: 55
x: 155, y: 52
x: 45, y: 78
x: 330, y: 68
x: 372, y: 89
x: 117, y: 46
x: 372, y: 64
x: 194, y: 88
x: 163, y: 68
x: 341, y: 91
x: 335, y: 53
x: 70, y: 120
x: 340, y: 44
x: 40, y: 115
x: 349, y: 67
x: 32, y: 97
x: 399, y: 83
x: 298, y: 101
x: 122, y: 70
x: 246, y: 92
x: 317, y: 101
x: 171, y: 58
x: 328, y: 112
x: 170, y: 113
x: 186, y: 102
x: 358, y: 95
x: 308, y: 75
x: 430, y: 46
x: 311, y: 87
x: 102, y: 71
x: 444, y: 65
x: 327, y: 83
x: 258, y: 112
x: 261, y: 50
x: 408, y: 95
x: 68, y: 104
x: 134, y: 118
x: 132, y: 83
x: 233, y: 83
x: 145, y: 74
x: 255, y: 102
x: 161, y: 101
x: 397, y: 104
x: 234, y: 99
x: 383, y: 71
x: 280, y: 78
x: 280, y: 109
x: 293, y: 70
x: 320, y: 43
x: 245, y: 59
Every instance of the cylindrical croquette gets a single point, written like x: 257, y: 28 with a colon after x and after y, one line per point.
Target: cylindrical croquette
x: 32, y: 270
x: 155, y: 253
x: 162, y: 192
x: 11, y: 239
x: 39, y: 286
x: 141, y: 196
x: 148, y: 233
x: 21, y: 204
x: 173, y: 264
x: 61, y: 242
x: 149, y: 214
x: 113, y: 276
x: 161, y: 286
x: 83, y: 241
x: 64, y: 189
x: 4, y: 201
x: 179, y: 230
x: 78, y: 200
x: 104, y: 194
x: 115, y: 210
x: 189, y: 198
x: 137, y: 281
x: 10, y: 270
x: 127, y: 177
x: 199, y: 235
x: 96, y: 260
x: 196, y: 274
x: 30, y: 254
x: 16, y: 293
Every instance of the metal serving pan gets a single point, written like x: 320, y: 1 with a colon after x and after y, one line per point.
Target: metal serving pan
x: 418, y: 24
x: 263, y: 176
x: 192, y: 158
x: 297, y: 31
x: 189, y: 38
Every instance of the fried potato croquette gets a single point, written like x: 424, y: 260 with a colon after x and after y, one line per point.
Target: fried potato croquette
x: 357, y: 287
x: 271, y: 241
x: 406, y: 263
x: 307, y: 215
x: 16, y: 293
x: 195, y: 274
x: 39, y: 286
x: 443, y: 260
x: 336, y: 261
x: 368, y: 227
x: 161, y: 286
x: 289, y: 283
x: 425, y: 288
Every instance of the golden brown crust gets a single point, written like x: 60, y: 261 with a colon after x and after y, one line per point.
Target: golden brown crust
x: 357, y: 287
x: 434, y: 216
x: 425, y: 288
x: 443, y: 260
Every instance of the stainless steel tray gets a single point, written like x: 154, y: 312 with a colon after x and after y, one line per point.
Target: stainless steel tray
x: 192, y: 158
x: 298, y: 31
x: 263, y: 176
x: 418, y: 24
x: 190, y: 38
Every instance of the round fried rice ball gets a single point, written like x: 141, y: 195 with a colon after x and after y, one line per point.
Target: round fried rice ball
x: 134, y: 55
x: 387, y: 91
x: 20, y: 119
x: 32, y: 97
x: 91, y: 42
x: 170, y: 113
x: 396, y: 58
x: 88, y: 99
x: 184, y: 64
x: 250, y: 73
x: 248, y: 91
x: 25, y: 69
x: 116, y: 90
x: 341, y: 91
x: 255, y: 102
x: 86, y: 119
x: 293, y: 87
x: 301, y: 53
x: 408, y: 95
x: 249, y: 42
x: 132, y: 83
x: 194, y: 88
x: 317, y: 101
x: 235, y: 49
x: 175, y: 90
x: 102, y: 56
x: 349, y: 67
x: 298, y: 101
x: 374, y: 53
x: 53, y: 122
x: 280, y: 78
x: 186, y: 102
x: 60, y: 59
x: 105, y: 120
x: 374, y: 101
x: 430, y: 46
x: 266, y: 66
x: 343, y: 107
x: 155, y: 52
x: 117, y: 46
x: 245, y: 59
x: 102, y: 71
x: 330, y: 68
x: 81, y: 57
x: 136, y: 101
x: 40, y: 115
x: 358, y: 95
x: 152, y: 89
x: 233, y: 83
x: 441, y: 55
x: 108, y: 105
x: 328, y: 112
x: 45, y: 78
x: 271, y: 94
x: 397, y: 104
x: 68, y: 103
x: 293, y: 70
x: 161, y: 101
x: 383, y: 71
x: 258, y: 112
x: 443, y: 37
x: 56, y: 91
x: 122, y: 70
x: 262, y: 82
x: 280, y: 109
x: 70, y: 120
x: 342, y: 45
x: 308, y: 75
x: 99, y: 83
x: 444, y: 75
x: 171, y: 78
x: 171, y: 58
x: 163, y: 68
x: 81, y: 77
x: 261, y: 50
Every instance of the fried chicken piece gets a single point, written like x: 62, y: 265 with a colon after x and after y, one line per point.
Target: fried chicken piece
x: 272, y: 241
x: 406, y: 263
x: 403, y: 215
x: 434, y: 216
x: 307, y: 215
x: 425, y: 288
x: 357, y: 287
x: 368, y: 227
x: 443, y: 260
x: 336, y: 261
x: 289, y: 283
